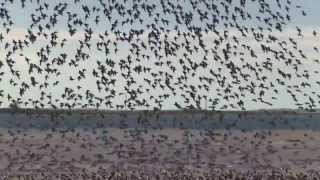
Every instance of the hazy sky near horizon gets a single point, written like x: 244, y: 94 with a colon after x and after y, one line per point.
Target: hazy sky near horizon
x: 22, y: 20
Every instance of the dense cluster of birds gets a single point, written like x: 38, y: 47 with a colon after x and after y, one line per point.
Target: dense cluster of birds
x: 142, y: 54
x: 164, y: 174
x: 113, y: 153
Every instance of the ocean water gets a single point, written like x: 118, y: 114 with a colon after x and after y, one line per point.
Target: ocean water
x: 189, y: 120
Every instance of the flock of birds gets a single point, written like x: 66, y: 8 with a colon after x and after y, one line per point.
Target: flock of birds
x: 143, y: 54
x: 149, y: 154
x: 188, y: 54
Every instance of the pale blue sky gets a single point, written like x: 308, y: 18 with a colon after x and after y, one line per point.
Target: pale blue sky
x: 22, y: 20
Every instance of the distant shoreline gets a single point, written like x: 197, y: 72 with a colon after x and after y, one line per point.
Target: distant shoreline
x: 89, y: 111
x: 190, y: 119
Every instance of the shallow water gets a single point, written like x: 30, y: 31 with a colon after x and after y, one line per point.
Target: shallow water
x: 189, y: 120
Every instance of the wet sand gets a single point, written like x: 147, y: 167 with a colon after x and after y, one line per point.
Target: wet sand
x: 198, y: 151
x: 196, y: 143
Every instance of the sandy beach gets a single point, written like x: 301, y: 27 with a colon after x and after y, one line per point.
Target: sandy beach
x: 152, y: 150
x: 103, y: 148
